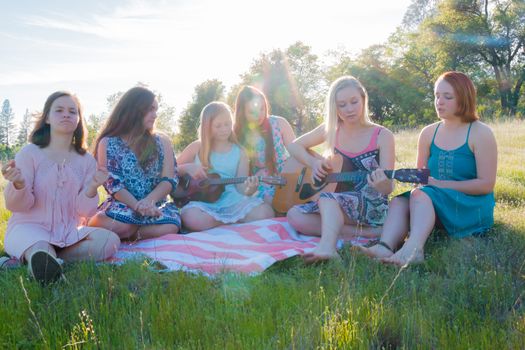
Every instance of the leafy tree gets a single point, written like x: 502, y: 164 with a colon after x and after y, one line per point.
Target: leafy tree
x: 94, y: 124
x: 23, y: 131
x: 488, y: 33
x: 292, y: 82
x: 166, y: 118
x: 206, y: 92
x: 6, y: 123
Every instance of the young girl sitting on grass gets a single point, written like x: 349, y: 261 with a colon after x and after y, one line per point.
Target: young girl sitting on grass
x: 52, y: 186
x: 141, y: 166
x: 363, y: 145
x: 217, y: 152
x: 263, y: 136
x: 462, y: 156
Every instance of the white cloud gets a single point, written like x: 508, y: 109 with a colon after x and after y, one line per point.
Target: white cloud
x: 175, y: 45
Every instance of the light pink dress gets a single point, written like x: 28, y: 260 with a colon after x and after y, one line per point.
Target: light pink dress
x: 52, y: 204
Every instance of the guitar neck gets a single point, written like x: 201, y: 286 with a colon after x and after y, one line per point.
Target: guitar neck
x: 228, y: 181
x: 353, y: 176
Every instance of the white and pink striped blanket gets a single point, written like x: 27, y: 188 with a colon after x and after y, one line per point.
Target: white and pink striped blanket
x: 244, y: 248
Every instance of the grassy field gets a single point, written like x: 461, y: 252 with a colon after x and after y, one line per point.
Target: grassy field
x: 469, y: 294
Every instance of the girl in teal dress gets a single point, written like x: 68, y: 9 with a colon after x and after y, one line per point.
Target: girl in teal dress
x: 217, y: 152
x: 461, y: 153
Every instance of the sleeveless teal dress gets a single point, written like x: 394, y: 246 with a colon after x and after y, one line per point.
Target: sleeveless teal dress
x: 461, y: 214
x: 231, y: 206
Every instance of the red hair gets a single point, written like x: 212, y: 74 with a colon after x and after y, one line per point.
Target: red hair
x: 241, y: 129
x: 465, y: 95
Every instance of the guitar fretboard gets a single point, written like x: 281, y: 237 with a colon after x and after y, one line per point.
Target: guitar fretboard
x: 230, y: 181
x: 354, y: 176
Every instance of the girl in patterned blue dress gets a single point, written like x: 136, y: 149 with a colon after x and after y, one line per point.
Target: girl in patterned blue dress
x: 461, y: 154
x: 348, y: 134
x: 217, y: 152
x: 141, y: 166
x: 263, y: 136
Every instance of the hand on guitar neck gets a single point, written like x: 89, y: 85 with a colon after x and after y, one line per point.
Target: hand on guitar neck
x: 211, y: 187
x: 303, y: 185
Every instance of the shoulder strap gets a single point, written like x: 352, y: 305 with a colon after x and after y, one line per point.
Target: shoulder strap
x: 373, y: 139
x: 468, y: 132
x: 435, y: 132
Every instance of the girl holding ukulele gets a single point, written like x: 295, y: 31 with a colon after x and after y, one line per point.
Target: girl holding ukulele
x: 217, y: 152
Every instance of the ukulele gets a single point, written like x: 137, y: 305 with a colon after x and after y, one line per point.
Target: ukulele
x: 300, y: 189
x: 210, y: 189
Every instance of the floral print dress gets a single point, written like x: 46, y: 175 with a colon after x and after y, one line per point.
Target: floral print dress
x: 281, y: 155
x: 125, y: 172
x: 359, y: 201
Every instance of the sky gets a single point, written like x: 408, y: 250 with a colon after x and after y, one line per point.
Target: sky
x: 99, y: 47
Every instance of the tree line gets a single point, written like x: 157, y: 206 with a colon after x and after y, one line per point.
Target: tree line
x: 485, y: 39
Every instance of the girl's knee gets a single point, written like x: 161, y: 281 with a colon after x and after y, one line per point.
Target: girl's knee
x: 195, y: 219
x: 171, y: 228
x: 111, y: 246
x: 294, y: 217
x: 264, y: 211
x: 326, y: 201
x: 124, y: 231
x: 418, y: 195
x: 107, y: 242
x: 398, y: 203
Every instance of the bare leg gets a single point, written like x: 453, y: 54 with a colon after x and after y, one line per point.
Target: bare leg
x: 100, y: 244
x: 422, y: 221
x: 310, y: 224
x: 195, y: 219
x: 123, y: 230
x: 394, y: 229
x: 153, y: 231
x: 332, y: 220
x: 260, y: 212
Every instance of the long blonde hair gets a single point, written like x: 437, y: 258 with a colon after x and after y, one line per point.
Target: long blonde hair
x: 331, y: 119
x: 208, y: 114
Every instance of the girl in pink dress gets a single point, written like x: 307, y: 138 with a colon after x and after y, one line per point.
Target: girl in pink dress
x: 52, y: 187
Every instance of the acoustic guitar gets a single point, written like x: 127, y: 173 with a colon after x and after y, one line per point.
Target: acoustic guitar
x: 210, y: 189
x: 300, y: 189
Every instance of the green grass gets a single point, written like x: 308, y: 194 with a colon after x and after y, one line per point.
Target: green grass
x: 467, y: 295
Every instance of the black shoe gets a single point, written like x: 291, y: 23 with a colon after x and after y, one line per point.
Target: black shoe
x: 44, y: 267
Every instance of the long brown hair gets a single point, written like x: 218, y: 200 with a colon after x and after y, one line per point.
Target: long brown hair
x: 241, y: 129
x: 41, y: 134
x: 126, y: 119
x: 208, y: 114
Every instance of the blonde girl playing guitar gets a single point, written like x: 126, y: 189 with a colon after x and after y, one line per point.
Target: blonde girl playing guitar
x: 217, y: 152
x: 357, y: 143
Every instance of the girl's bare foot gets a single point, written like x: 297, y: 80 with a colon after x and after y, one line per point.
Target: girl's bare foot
x: 405, y: 256
x: 377, y: 251
x: 320, y: 256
